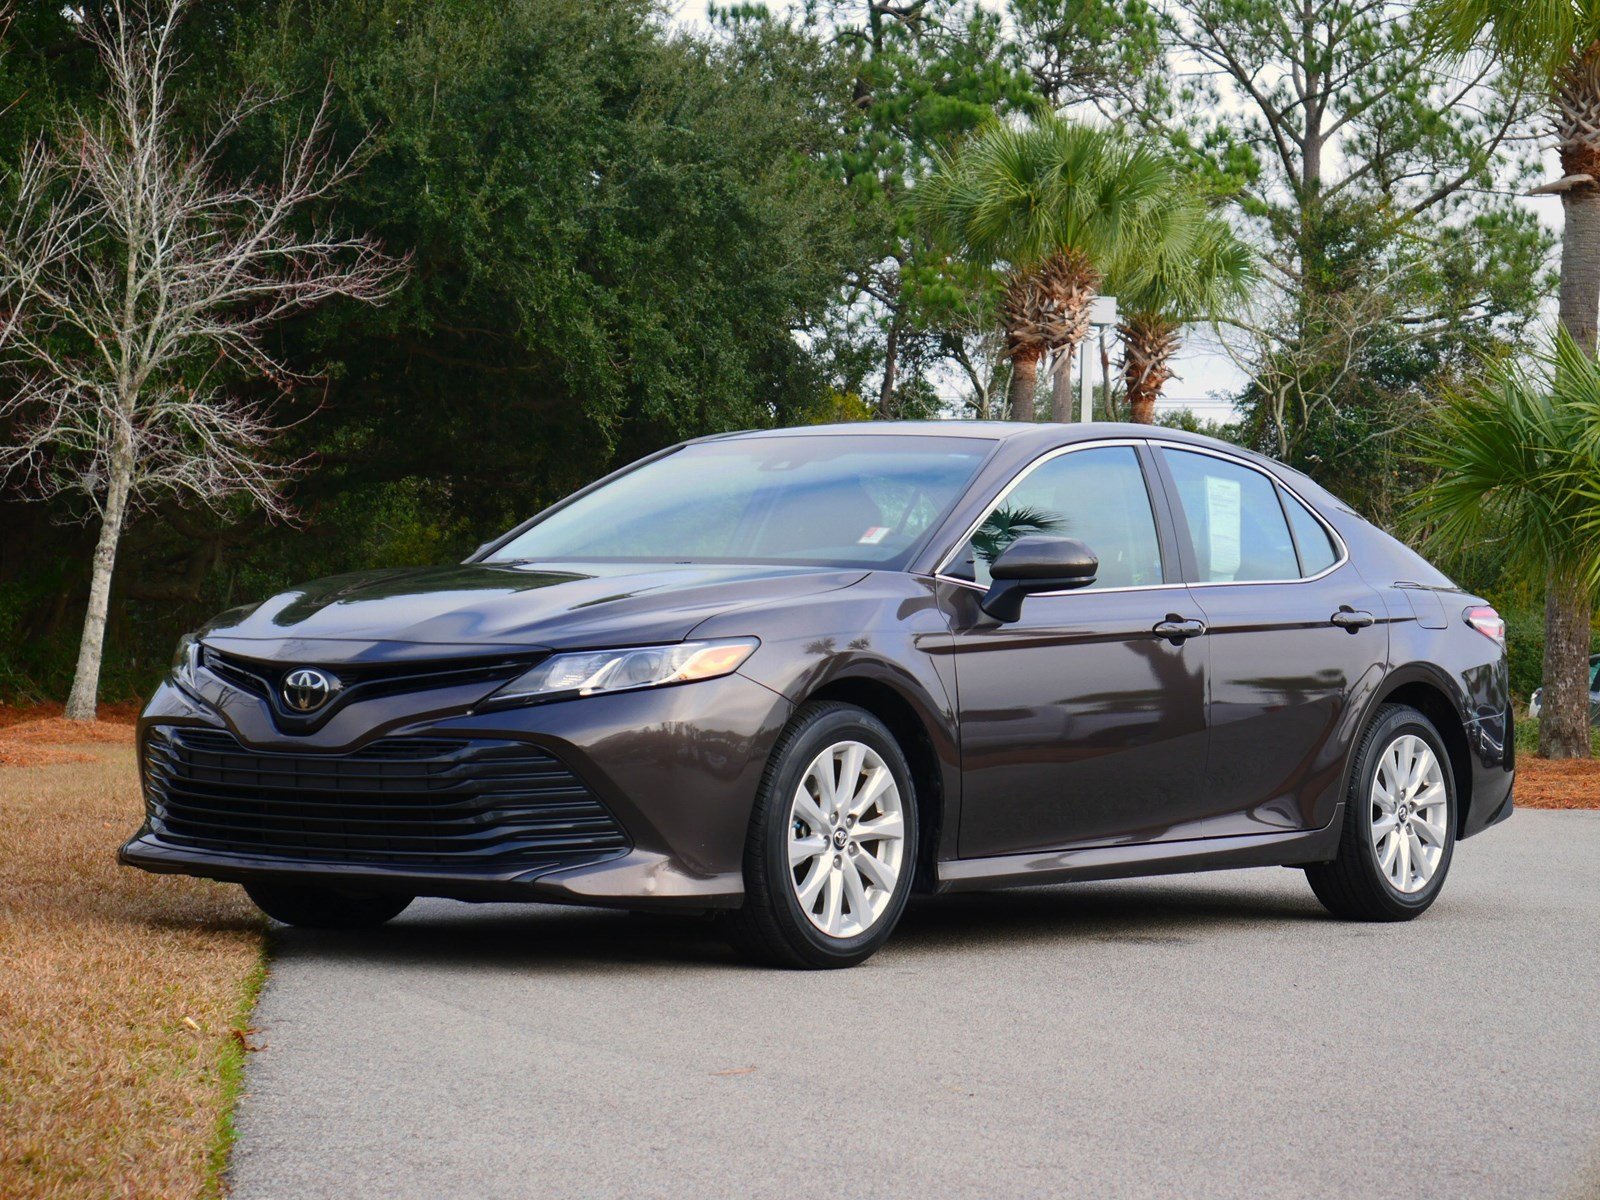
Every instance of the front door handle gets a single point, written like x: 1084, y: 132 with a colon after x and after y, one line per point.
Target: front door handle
x: 1351, y: 620
x: 1178, y: 630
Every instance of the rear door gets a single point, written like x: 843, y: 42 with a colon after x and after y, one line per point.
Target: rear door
x: 1295, y: 641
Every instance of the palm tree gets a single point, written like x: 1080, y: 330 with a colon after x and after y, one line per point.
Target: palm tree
x: 1206, y: 273
x: 1553, y: 46
x: 1518, y: 460
x: 1054, y: 205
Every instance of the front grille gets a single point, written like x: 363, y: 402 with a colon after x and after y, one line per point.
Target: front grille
x: 425, y: 802
x: 362, y: 681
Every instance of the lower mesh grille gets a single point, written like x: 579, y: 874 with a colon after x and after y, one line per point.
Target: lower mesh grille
x: 427, y: 802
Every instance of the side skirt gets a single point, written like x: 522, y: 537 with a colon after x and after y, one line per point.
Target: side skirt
x: 1144, y: 858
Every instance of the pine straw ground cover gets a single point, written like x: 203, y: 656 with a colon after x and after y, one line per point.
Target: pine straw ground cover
x: 1556, y: 783
x: 124, y: 997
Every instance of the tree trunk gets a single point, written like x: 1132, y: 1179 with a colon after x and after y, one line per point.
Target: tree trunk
x: 1564, y: 704
x: 1024, y: 383
x: 1046, y: 307
x: 1568, y: 607
x: 1105, y: 377
x: 891, y: 356
x: 1148, y: 344
x: 85, y: 692
x: 1580, y: 265
x: 1061, y: 384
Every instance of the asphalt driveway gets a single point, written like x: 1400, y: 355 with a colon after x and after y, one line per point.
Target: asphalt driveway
x: 1210, y: 1035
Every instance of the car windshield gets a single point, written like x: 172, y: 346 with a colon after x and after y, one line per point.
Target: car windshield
x: 822, y: 499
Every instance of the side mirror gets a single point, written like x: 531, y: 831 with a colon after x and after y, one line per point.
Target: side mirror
x: 1036, y: 562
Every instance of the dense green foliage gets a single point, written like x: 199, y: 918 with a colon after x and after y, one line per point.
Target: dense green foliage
x: 624, y: 231
x: 619, y: 237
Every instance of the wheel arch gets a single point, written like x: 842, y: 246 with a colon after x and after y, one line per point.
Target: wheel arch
x: 1430, y: 692
x: 911, y: 731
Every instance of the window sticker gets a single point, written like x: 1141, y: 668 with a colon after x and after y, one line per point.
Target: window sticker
x: 873, y: 535
x: 1223, y: 521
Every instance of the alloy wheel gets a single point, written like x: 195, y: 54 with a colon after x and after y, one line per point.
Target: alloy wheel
x: 1410, y: 814
x: 846, y: 839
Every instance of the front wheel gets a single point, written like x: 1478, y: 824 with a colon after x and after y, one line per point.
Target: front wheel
x: 1399, y: 823
x: 310, y: 907
x: 832, y: 845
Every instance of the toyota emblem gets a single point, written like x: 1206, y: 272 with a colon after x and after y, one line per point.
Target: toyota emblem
x: 306, y: 689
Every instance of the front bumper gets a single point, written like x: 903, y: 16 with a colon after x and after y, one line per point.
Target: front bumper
x: 678, y: 767
x: 638, y: 878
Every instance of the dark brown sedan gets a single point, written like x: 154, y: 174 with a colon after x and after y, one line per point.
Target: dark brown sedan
x: 797, y: 675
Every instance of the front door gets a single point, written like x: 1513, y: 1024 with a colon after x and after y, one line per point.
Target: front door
x: 1295, y: 644
x: 1080, y: 725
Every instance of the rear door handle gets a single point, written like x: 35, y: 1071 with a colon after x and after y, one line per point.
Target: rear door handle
x: 1351, y: 620
x: 1178, y: 630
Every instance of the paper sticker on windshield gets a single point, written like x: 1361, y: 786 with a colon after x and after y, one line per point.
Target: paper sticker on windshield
x: 873, y: 536
x: 1223, y: 519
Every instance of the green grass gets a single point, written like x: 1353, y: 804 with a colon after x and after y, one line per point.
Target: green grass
x: 231, y: 1075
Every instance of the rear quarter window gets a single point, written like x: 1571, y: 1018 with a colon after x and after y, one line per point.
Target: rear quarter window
x: 1311, y: 538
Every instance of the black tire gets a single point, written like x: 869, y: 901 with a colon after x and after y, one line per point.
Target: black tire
x: 1353, y: 886
x: 309, y: 907
x: 771, y: 927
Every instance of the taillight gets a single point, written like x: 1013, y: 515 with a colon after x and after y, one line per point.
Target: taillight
x: 1487, y: 622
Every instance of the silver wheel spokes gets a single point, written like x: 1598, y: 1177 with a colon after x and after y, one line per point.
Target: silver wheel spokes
x: 1410, y: 813
x: 846, y: 839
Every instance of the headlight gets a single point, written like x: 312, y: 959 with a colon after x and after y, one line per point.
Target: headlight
x: 592, y: 672
x: 185, y: 659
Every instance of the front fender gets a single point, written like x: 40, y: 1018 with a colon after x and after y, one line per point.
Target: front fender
x: 887, y: 631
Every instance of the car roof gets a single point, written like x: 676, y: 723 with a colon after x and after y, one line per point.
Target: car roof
x: 988, y: 430
x: 1040, y: 435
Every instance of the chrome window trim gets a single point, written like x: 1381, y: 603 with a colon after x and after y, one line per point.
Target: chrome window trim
x: 1142, y: 587
x: 1156, y: 444
x: 1016, y: 480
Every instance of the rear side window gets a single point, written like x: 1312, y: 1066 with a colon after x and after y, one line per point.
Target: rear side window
x: 1317, y: 551
x: 1236, y: 525
x: 1097, y: 495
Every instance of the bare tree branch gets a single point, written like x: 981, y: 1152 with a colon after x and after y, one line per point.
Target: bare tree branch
x: 137, y: 285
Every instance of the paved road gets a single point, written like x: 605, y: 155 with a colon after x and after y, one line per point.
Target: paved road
x: 1196, y: 1036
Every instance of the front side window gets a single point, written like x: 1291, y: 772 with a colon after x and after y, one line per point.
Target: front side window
x: 1237, y: 529
x: 824, y: 499
x: 1097, y: 495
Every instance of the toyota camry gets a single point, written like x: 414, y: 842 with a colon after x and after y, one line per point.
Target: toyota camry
x: 792, y: 677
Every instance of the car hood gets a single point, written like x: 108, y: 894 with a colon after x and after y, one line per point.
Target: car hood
x: 425, y: 611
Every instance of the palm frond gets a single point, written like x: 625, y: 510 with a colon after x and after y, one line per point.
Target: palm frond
x: 1518, y: 460
x: 1013, y: 195
x: 1193, y: 266
x: 1006, y: 524
x: 1541, y: 37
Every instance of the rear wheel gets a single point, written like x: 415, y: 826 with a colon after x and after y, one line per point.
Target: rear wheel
x: 832, y: 843
x: 1399, y: 823
x: 311, y: 907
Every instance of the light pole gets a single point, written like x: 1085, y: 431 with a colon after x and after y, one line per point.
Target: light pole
x: 1102, y: 314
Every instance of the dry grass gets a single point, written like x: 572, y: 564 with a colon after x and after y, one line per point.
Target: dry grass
x: 123, y: 995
